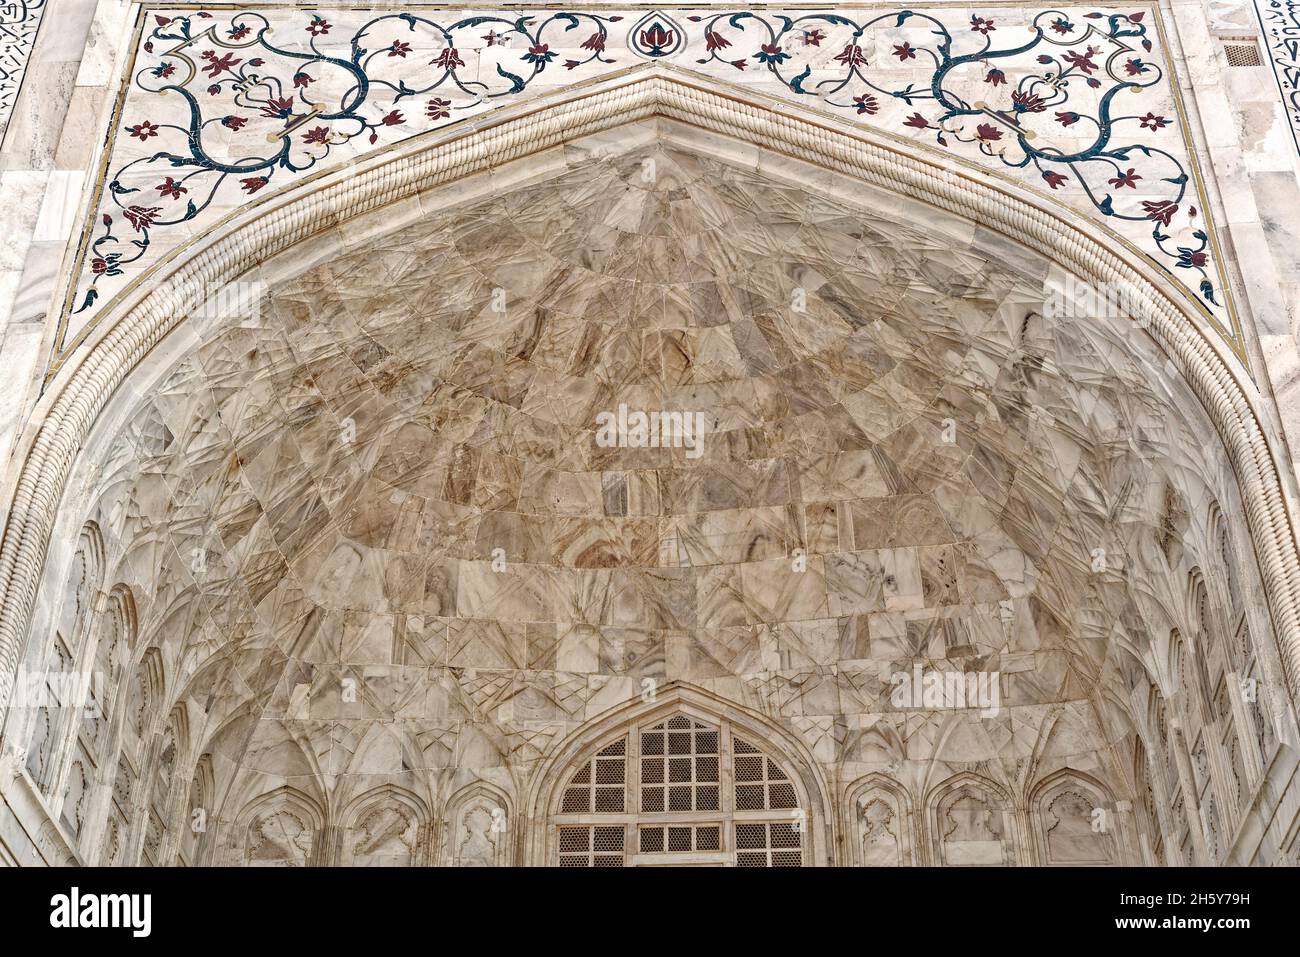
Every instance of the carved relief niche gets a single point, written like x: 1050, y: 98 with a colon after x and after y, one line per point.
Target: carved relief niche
x: 110, y: 854
x: 972, y: 823
x: 161, y: 811
x: 480, y: 822
x: 387, y: 827
x: 46, y: 743
x: 880, y: 827
x: 279, y: 829
x: 1076, y: 822
x: 198, y: 812
x: 76, y: 793
x: 1149, y: 822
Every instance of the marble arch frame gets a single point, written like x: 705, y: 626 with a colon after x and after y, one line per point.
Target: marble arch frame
x: 354, y: 813
x: 1015, y: 842
x: 81, y: 641
x: 63, y: 420
x: 287, y: 796
x: 454, y: 810
x: 779, y: 743
x: 1058, y: 781
x: 911, y: 837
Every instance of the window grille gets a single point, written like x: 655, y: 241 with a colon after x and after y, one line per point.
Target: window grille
x: 1242, y: 52
x: 599, y: 785
x: 680, y: 790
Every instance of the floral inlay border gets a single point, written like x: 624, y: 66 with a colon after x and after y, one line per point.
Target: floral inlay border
x: 224, y: 105
x: 1280, y: 20
x: 19, y: 21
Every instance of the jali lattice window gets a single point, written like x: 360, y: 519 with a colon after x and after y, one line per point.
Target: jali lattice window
x: 680, y: 790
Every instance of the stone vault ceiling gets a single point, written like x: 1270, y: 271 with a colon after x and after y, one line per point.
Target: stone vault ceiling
x: 317, y: 494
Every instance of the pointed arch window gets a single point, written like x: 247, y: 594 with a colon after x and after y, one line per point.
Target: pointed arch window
x: 680, y: 790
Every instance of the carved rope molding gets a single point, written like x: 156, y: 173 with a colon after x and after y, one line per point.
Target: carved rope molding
x: 70, y: 409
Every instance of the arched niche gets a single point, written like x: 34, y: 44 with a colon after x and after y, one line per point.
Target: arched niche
x: 973, y: 823
x: 879, y: 823
x: 387, y: 826
x: 282, y: 828
x: 1076, y: 822
x: 445, y: 169
x: 141, y: 321
x: 200, y: 796
x: 480, y: 827
x: 63, y: 658
x: 784, y: 793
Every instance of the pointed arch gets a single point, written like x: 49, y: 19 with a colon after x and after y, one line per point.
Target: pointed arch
x: 879, y: 823
x: 170, y: 754
x: 1224, y: 560
x: 387, y: 825
x: 53, y: 759
x: 122, y: 627
x: 679, y: 698
x: 148, y: 687
x: 667, y: 104
x: 1075, y: 820
x: 198, y: 812
x: 85, y: 579
x: 136, y: 325
x: 281, y: 828
x: 1203, y: 617
x: 972, y: 822
x: 1151, y: 834
x: 480, y: 827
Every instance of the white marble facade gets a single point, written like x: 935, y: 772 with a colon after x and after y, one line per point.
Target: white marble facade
x: 921, y: 554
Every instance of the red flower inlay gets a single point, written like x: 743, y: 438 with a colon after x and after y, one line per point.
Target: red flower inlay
x: 144, y: 130
x: 1082, y: 60
x: 851, y: 55
x: 438, y: 108
x: 448, y: 59
x: 170, y: 188
x: 1128, y: 179
x: 1160, y: 211
x: 142, y: 217
x: 218, y: 65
